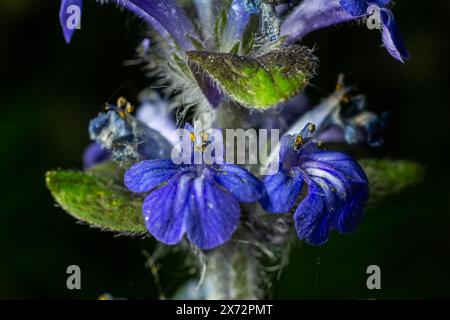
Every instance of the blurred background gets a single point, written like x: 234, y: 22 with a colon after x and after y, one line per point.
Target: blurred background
x: 50, y: 90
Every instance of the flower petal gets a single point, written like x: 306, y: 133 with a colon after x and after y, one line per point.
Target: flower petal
x: 243, y: 185
x: 335, y: 162
x: 282, y: 190
x: 237, y: 19
x: 94, y: 154
x: 338, y: 193
x: 164, y: 15
x: 168, y: 13
x: 352, y: 212
x: 166, y: 210
x: 392, y: 39
x: 67, y: 13
x: 355, y: 7
x: 128, y: 139
x: 313, y: 217
x: 216, y: 216
x: 155, y: 113
x: 312, y: 15
x: 147, y: 175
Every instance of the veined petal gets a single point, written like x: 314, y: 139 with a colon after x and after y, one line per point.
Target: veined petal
x: 282, y: 190
x: 313, y: 219
x: 338, y: 193
x: 216, y: 214
x: 392, y: 39
x: 69, y: 12
x: 147, y: 175
x: 312, y: 15
x: 352, y: 212
x: 166, y: 210
x: 337, y: 162
x: 243, y: 185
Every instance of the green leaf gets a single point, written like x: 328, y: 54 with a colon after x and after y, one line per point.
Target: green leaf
x: 388, y: 177
x: 259, y: 82
x: 97, y: 200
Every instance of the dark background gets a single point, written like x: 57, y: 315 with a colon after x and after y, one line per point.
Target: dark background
x: 49, y: 91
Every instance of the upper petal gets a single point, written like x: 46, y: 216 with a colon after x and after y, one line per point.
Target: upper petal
x: 243, y: 185
x: 355, y: 7
x: 147, y: 175
x: 312, y: 15
x: 168, y: 13
x: 392, y: 39
x: 166, y: 210
x: 337, y: 162
x: 216, y: 214
x: 69, y: 14
x: 155, y: 113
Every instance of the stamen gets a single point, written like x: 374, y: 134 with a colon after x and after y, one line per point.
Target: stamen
x: 121, y: 113
x: 339, y: 86
x: 129, y: 108
x: 298, y: 141
x: 311, y: 127
x: 121, y: 102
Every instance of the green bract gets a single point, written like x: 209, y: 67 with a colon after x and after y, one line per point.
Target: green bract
x: 99, y: 201
x: 387, y: 177
x: 257, y: 82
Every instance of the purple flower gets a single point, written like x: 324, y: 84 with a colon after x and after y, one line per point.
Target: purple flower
x: 337, y: 188
x: 312, y: 15
x: 199, y: 200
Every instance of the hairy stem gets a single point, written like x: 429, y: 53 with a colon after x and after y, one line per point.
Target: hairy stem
x: 232, y: 273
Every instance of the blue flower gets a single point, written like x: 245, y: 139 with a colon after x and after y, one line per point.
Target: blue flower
x: 199, y: 200
x: 126, y: 138
x: 337, y: 188
x: 312, y: 15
